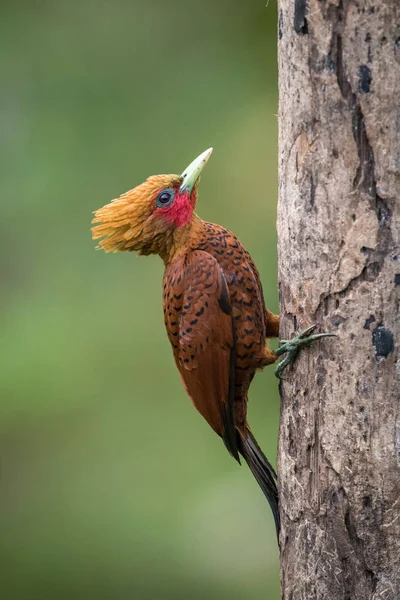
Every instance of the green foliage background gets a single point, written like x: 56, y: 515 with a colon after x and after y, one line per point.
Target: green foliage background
x: 113, y: 487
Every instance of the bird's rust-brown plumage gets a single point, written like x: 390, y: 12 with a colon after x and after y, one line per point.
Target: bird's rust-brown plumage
x: 217, y: 324
x: 213, y: 303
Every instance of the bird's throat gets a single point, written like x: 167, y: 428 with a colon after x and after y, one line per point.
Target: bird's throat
x: 181, y: 240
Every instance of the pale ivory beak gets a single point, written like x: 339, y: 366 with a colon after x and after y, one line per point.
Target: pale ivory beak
x: 191, y: 174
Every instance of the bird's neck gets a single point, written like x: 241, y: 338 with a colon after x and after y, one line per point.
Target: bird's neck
x: 181, y: 240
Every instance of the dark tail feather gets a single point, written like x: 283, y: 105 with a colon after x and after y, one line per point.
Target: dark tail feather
x: 262, y: 471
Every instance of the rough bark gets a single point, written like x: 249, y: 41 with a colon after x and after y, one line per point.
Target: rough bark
x: 339, y: 266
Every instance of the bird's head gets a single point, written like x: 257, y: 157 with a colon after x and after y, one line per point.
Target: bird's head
x: 146, y: 218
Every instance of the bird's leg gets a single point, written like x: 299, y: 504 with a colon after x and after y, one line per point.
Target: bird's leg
x: 291, y: 347
x: 272, y: 324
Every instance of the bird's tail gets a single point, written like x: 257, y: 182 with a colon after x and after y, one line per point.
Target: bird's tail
x: 261, y: 469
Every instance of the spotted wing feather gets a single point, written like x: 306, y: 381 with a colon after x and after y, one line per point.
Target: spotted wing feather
x: 198, y: 317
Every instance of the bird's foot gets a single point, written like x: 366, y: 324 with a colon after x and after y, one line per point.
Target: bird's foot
x: 291, y: 347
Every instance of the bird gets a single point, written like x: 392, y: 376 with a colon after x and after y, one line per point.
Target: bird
x: 214, y: 310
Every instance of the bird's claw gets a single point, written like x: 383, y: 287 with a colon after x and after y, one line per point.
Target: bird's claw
x: 291, y: 347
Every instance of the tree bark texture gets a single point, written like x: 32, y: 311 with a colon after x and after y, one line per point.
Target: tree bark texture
x: 339, y: 266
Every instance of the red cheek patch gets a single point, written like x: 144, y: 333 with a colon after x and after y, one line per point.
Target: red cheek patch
x: 179, y: 213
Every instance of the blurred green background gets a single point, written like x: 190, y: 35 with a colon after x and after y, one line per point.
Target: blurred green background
x: 112, y: 486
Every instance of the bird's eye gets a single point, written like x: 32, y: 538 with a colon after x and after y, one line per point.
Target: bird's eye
x: 165, y: 197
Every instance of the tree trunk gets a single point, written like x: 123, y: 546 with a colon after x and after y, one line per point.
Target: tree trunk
x: 339, y: 266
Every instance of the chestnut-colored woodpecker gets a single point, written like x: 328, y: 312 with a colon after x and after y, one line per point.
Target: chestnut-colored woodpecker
x: 214, y: 309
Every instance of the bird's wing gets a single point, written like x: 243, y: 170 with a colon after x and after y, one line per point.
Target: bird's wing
x: 200, y: 327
